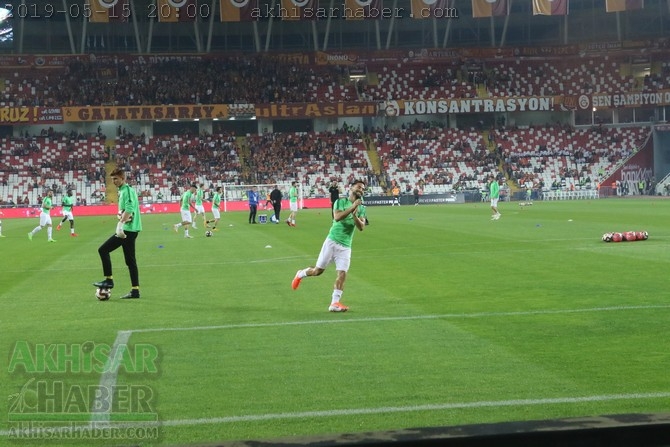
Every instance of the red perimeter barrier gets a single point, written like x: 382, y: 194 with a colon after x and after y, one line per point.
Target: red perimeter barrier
x: 150, y: 208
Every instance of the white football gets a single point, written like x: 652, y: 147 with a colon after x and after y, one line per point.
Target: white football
x: 103, y: 294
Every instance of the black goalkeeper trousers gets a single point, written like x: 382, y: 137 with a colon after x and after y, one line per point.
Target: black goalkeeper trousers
x: 128, y: 245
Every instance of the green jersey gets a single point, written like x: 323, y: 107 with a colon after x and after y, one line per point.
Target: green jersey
x: 199, y: 195
x: 216, y: 201
x: 46, y: 205
x: 494, y: 190
x: 293, y: 194
x: 129, y: 203
x: 342, y: 232
x: 186, y: 200
x: 67, y: 203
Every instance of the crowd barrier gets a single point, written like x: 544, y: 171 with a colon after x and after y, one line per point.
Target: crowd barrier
x: 571, y: 195
x: 149, y: 208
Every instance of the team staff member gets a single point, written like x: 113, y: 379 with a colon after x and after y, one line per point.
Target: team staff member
x: 253, y: 204
x: 275, y: 198
x: 127, y: 230
x: 396, y: 195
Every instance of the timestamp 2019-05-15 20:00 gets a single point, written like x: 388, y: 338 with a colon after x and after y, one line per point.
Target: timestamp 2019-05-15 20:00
x: 48, y: 10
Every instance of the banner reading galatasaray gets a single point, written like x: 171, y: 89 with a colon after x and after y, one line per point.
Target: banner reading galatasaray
x: 149, y: 113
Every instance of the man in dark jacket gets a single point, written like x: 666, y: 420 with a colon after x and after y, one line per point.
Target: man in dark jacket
x: 275, y: 197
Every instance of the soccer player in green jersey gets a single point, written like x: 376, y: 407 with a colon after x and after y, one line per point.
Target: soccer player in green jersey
x: 494, y: 195
x: 216, y: 209
x: 128, y: 228
x: 293, y: 204
x: 199, y: 207
x: 349, y: 214
x: 68, y: 203
x: 45, y: 217
x: 186, y: 218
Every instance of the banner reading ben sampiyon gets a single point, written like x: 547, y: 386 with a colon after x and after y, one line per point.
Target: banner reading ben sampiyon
x: 142, y: 113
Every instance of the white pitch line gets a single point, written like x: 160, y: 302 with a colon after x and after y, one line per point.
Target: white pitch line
x: 386, y: 410
x: 413, y: 408
x: 108, y: 378
x: 405, y: 318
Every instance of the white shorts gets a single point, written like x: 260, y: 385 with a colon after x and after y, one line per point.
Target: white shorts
x: 331, y: 251
x: 186, y: 216
x: 494, y: 203
x: 293, y: 206
x: 216, y: 213
x: 68, y: 214
x: 200, y: 209
x: 45, y: 219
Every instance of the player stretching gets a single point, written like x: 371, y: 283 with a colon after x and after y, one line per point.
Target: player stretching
x: 68, y: 203
x: 186, y: 218
x: 293, y: 204
x: 45, y: 217
x: 349, y: 215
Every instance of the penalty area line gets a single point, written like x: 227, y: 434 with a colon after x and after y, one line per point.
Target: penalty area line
x: 405, y: 318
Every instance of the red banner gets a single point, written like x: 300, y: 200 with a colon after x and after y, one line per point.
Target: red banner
x: 362, y: 9
x: 105, y: 11
x: 31, y: 115
x: 176, y: 10
x: 238, y: 10
x: 489, y: 8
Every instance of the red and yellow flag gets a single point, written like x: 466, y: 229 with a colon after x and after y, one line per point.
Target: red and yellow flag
x: 105, y: 11
x: 550, y: 7
x: 623, y: 5
x: 298, y: 9
x: 426, y: 9
x: 177, y: 10
x: 489, y: 8
x: 238, y: 10
x: 362, y: 9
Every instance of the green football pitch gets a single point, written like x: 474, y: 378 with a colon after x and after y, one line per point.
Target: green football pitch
x: 454, y: 319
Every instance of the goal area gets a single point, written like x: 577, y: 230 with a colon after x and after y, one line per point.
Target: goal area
x: 236, y: 194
